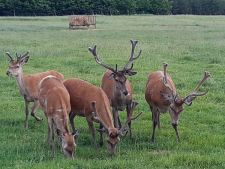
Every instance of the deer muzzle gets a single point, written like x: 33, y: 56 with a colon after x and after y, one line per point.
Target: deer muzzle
x: 125, y: 92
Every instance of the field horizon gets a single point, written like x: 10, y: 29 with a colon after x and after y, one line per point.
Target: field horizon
x: 189, y: 44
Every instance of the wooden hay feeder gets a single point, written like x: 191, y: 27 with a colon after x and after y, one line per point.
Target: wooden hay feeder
x: 82, y: 21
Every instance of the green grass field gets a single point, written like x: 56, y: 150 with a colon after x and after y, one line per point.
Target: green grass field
x: 189, y: 44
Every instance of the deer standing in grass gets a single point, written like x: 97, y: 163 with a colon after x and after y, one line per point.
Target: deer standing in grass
x: 28, y: 84
x: 55, y: 101
x: 91, y: 102
x: 161, y: 96
x: 117, y: 87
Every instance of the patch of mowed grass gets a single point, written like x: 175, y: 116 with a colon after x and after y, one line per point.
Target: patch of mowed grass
x: 189, y: 44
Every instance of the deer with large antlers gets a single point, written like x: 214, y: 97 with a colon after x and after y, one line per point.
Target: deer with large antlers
x: 28, y: 84
x: 161, y: 96
x: 91, y: 102
x: 55, y: 102
x: 117, y: 87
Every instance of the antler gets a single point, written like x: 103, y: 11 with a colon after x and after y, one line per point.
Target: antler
x: 93, y: 51
x: 20, y: 57
x: 195, y: 93
x: 132, y: 57
x: 123, y: 129
x: 10, y: 57
x: 206, y: 76
x: 164, y: 71
x: 165, y: 82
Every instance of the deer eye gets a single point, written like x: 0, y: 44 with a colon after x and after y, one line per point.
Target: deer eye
x: 17, y: 66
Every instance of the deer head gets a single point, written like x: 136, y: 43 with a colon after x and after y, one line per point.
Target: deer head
x: 68, y: 144
x: 176, y: 102
x: 113, y: 133
x: 15, y: 67
x: 120, y: 75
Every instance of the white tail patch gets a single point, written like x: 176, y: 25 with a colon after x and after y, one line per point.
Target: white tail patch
x: 47, y: 77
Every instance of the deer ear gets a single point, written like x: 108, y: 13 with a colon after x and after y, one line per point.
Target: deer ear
x: 131, y: 73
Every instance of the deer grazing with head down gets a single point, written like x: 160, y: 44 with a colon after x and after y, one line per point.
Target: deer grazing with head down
x: 28, y: 84
x: 161, y: 96
x: 91, y: 102
x: 55, y: 102
x: 117, y: 87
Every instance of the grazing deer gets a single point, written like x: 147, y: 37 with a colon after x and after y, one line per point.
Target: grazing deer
x: 161, y: 96
x: 117, y: 87
x: 28, y: 84
x: 91, y: 102
x: 55, y: 101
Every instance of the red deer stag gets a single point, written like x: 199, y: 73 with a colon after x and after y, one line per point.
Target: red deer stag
x: 161, y: 96
x: 117, y: 87
x: 28, y: 84
x: 55, y: 101
x: 91, y: 102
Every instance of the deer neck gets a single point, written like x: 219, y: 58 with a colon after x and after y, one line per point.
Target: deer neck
x: 61, y: 125
x: 119, y: 98
x: 21, y: 84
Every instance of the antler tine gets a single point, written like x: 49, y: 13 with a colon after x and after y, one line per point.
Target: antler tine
x: 25, y: 54
x: 94, y: 53
x: 199, y: 94
x: 132, y: 57
x: 164, y: 71
x: 10, y: 57
x: 21, y: 56
x: 206, y: 76
x: 195, y: 93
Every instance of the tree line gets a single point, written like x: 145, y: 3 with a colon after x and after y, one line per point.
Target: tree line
x: 110, y: 7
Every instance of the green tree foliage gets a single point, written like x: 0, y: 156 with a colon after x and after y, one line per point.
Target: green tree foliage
x: 68, y: 7
x: 199, y: 7
x: 111, y: 7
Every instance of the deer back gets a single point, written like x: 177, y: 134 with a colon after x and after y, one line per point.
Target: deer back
x: 82, y: 94
x: 32, y: 81
x: 155, y: 87
x: 53, y: 97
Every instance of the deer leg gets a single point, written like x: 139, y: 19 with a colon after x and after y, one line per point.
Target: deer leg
x: 34, y: 109
x: 158, y: 120
x: 119, y: 122
x: 129, y: 115
x: 51, y: 136
x: 155, y: 119
x: 115, y: 117
x: 49, y: 131
x: 92, y: 129
x: 26, y: 113
x: 177, y: 134
x: 101, y: 133
x: 71, y: 117
x: 53, y: 140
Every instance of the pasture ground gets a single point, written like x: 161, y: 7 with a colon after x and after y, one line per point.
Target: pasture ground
x: 189, y: 44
